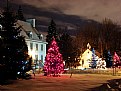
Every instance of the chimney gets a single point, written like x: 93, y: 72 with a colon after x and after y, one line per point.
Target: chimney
x: 31, y: 21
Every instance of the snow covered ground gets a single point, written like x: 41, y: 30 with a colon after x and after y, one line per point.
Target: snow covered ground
x: 78, y: 82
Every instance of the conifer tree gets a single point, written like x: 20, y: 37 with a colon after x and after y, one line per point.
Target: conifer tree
x: 108, y: 58
x: 20, y: 15
x: 53, y: 61
x: 51, y: 32
x: 116, y: 60
x: 94, y: 59
x: 14, y: 52
x: 66, y: 48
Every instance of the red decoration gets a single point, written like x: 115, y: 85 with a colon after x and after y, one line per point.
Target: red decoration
x: 116, y: 57
x: 53, y: 62
x: 116, y: 60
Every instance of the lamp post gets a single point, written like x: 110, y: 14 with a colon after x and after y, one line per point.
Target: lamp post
x: 69, y: 62
x: 114, y: 68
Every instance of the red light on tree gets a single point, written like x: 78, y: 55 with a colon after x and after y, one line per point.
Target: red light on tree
x: 116, y: 59
x: 53, y: 61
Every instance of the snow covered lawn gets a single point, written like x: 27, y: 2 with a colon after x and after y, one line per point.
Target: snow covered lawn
x: 78, y: 82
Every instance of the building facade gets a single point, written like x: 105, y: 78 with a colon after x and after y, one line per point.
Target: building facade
x: 35, y: 42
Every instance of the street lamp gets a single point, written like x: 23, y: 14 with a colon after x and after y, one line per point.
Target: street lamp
x: 114, y: 68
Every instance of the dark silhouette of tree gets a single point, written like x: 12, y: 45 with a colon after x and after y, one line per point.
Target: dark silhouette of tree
x: 69, y: 51
x: 66, y: 47
x: 108, y: 58
x: 20, y: 15
x: 109, y: 33
x: 14, y: 52
x: 51, y: 32
x: 88, y: 34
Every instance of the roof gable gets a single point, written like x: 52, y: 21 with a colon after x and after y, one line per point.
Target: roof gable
x: 26, y: 29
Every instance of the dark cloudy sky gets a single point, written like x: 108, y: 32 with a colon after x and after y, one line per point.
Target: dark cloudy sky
x: 69, y: 11
x: 92, y: 9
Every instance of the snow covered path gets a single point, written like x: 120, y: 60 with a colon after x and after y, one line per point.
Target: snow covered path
x: 78, y: 82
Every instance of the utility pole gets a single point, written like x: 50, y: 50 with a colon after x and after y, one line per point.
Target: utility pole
x: 7, y: 4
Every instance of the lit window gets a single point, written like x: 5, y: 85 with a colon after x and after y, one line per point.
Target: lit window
x: 29, y: 34
x: 36, y: 47
x: 40, y: 36
x: 36, y: 57
x: 82, y: 62
x: 31, y: 46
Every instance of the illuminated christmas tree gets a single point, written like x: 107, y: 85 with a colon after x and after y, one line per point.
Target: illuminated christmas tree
x: 116, y: 59
x: 53, y: 61
x: 94, y: 59
x: 101, y: 64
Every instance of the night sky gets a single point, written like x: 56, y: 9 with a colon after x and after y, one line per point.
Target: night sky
x: 68, y: 12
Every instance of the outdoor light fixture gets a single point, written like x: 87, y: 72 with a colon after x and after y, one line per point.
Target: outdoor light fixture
x: 0, y: 27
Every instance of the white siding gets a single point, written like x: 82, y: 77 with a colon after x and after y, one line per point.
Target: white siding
x: 27, y: 28
x: 38, y: 52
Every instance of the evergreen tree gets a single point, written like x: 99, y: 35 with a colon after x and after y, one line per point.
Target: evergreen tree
x: 20, y: 15
x: 108, y: 58
x: 66, y: 48
x: 14, y: 52
x: 94, y: 59
x: 53, y: 61
x: 69, y: 50
x: 51, y: 32
x: 116, y: 60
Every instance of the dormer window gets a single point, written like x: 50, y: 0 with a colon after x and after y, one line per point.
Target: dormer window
x: 40, y: 36
x: 30, y: 34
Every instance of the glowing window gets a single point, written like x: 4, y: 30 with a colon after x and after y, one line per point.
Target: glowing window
x: 31, y: 46
x: 36, y: 57
x: 36, y: 47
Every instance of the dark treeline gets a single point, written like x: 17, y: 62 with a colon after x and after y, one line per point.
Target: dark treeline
x: 104, y: 36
